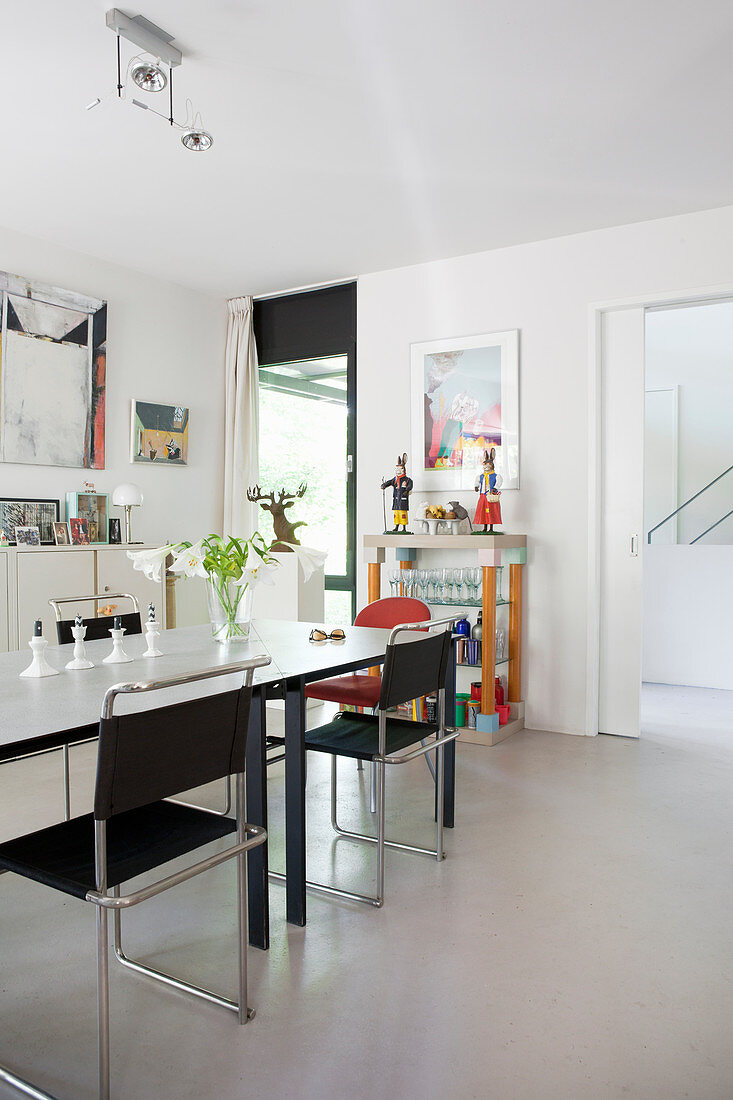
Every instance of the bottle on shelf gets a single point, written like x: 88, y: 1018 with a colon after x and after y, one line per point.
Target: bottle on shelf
x: 477, y: 631
x: 498, y: 692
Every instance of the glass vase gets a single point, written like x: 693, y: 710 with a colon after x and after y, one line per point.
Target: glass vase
x: 230, y: 609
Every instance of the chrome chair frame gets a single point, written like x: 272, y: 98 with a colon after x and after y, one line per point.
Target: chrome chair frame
x: 106, y: 899
x: 443, y: 735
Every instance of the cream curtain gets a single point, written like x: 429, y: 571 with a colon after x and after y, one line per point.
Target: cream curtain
x: 241, y: 465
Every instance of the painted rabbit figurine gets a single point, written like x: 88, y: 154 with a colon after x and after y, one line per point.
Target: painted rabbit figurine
x: 488, y: 484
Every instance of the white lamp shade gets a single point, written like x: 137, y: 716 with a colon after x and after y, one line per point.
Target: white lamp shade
x: 127, y: 494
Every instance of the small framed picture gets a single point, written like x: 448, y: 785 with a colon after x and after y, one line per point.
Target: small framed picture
x: 79, y: 529
x: 115, y: 532
x: 61, y: 534
x: 27, y: 536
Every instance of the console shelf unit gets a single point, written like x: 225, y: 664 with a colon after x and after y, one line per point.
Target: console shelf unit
x: 492, y: 552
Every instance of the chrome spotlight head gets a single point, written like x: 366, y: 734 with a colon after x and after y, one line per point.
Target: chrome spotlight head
x: 198, y: 141
x: 149, y: 77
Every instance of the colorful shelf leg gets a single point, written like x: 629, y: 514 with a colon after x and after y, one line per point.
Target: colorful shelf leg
x: 487, y: 721
x: 514, y: 683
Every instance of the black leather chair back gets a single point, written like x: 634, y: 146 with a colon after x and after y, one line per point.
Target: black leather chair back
x: 412, y: 669
x: 158, y: 753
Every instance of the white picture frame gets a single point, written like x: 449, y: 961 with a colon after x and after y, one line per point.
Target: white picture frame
x: 464, y: 396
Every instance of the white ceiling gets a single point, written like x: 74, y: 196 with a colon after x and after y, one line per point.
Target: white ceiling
x: 356, y: 135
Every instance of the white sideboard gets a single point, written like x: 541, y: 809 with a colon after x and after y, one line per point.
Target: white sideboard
x: 31, y: 575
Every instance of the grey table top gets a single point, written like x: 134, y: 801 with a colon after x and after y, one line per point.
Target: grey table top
x: 34, y: 709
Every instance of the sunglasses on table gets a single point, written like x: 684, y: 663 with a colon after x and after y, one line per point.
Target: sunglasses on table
x: 317, y: 635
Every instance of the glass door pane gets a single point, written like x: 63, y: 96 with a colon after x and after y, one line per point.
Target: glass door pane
x: 304, y: 439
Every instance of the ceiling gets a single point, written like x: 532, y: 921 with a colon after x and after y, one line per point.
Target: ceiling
x: 357, y: 135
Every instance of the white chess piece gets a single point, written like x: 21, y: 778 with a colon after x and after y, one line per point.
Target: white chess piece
x: 118, y: 655
x: 152, y: 633
x: 39, y: 666
x: 80, y: 654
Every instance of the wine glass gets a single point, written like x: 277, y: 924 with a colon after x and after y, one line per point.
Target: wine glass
x: 423, y: 577
x: 394, y: 576
x: 460, y: 579
x: 448, y: 586
x: 476, y: 573
x: 499, y: 574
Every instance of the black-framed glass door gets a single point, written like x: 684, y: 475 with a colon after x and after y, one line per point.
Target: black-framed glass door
x: 307, y: 353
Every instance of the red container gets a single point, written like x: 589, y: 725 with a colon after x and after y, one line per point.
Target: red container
x: 476, y: 689
x: 503, y: 712
x: 498, y: 692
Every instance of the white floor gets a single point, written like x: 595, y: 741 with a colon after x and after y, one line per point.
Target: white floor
x: 575, y: 943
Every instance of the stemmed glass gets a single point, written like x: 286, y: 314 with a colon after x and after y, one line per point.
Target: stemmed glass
x: 394, y: 576
x: 423, y: 576
x: 474, y: 580
x: 439, y: 585
x: 448, y: 586
x: 460, y: 579
x: 499, y: 575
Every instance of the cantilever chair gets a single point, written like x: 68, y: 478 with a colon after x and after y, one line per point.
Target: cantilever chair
x: 411, y: 669
x: 143, y: 759
x: 98, y: 626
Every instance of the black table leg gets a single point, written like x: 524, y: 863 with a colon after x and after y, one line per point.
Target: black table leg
x: 449, y: 780
x: 256, y: 814
x: 295, y: 800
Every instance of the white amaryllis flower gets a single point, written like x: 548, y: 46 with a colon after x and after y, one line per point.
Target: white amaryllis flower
x: 262, y: 573
x: 150, y: 562
x: 310, y: 559
x: 190, y: 561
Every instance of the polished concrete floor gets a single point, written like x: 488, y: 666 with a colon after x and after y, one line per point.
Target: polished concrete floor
x: 575, y: 943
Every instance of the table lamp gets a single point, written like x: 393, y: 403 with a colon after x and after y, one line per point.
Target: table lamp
x: 127, y: 496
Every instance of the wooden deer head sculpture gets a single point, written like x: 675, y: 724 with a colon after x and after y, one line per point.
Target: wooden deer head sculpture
x: 284, y: 529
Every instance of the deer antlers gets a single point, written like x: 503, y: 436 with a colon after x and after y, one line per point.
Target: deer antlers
x: 256, y: 496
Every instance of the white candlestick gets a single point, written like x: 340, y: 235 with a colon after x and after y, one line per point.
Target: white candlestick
x: 118, y: 655
x: 39, y: 666
x: 152, y: 633
x: 80, y: 654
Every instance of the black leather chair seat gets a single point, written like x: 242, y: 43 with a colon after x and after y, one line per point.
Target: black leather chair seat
x: 357, y: 735
x: 62, y: 856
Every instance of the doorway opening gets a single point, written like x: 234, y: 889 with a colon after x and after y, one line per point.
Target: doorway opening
x: 305, y: 441
x: 687, y: 672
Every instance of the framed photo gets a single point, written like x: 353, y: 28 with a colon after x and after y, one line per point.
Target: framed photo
x: 115, y: 532
x: 159, y: 434
x: 27, y: 536
x: 94, y: 508
x: 40, y: 513
x: 79, y: 529
x: 61, y: 534
x: 464, y: 400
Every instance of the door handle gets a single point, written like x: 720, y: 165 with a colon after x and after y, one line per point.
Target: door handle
x: 349, y: 464
x: 634, y: 546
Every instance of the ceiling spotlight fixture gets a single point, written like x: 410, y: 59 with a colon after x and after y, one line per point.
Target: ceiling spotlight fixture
x: 150, y: 77
x: 198, y: 141
x: 148, y: 73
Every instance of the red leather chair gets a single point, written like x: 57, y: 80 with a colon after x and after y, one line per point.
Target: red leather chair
x: 363, y: 691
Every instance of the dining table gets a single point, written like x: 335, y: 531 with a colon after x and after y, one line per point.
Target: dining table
x: 37, y: 715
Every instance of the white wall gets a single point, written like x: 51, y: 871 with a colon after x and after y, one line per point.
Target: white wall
x: 688, y: 611
x: 164, y: 343
x: 544, y: 290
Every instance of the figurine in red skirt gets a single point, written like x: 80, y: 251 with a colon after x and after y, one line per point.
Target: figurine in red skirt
x: 488, y: 484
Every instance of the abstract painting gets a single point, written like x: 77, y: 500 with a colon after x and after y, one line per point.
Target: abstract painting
x: 159, y: 434
x: 464, y: 400
x: 28, y: 513
x: 53, y: 355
